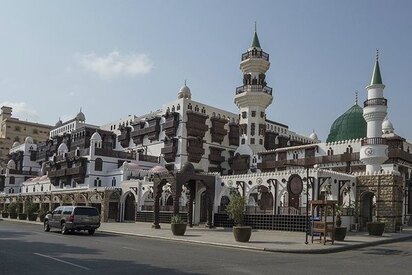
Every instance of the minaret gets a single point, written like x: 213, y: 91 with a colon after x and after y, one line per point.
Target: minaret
x: 374, y: 151
x: 253, y: 98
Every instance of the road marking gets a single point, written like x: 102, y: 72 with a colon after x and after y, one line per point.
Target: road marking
x: 58, y: 260
x: 131, y: 248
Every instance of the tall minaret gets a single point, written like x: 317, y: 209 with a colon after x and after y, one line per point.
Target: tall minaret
x: 253, y: 98
x: 374, y: 151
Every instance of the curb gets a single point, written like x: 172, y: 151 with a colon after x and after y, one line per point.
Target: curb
x: 290, y: 251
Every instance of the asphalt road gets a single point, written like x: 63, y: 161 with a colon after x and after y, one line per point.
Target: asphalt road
x: 26, y: 249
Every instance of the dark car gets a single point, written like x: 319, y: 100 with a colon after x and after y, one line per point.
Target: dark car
x: 73, y: 218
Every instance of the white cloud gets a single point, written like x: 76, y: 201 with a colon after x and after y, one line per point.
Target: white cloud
x: 114, y: 64
x: 21, y: 110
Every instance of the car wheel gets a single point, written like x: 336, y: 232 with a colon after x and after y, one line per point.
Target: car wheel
x: 64, y: 230
x: 46, y: 226
x: 91, y: 231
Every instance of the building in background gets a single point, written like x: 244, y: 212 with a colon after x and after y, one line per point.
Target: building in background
x: 14, y: 131
x: 189, y: 157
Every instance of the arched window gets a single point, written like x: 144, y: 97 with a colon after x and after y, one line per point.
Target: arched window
x: 98, y: 164
x: 114, y: 181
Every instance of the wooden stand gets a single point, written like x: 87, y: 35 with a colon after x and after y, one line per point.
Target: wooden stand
x: 323, y: 226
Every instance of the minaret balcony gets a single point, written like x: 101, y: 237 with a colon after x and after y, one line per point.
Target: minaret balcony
x: 375, y: 101
x: 254, y: 88
x: 255, y: 53
x: 373, y: 141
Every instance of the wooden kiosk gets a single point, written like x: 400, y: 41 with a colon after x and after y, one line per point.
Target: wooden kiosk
x: 323, y: 226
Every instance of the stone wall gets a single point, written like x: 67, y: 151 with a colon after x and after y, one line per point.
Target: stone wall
x: 387, y: 189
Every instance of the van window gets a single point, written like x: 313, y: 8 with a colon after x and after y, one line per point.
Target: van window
x: 86, y: 211
x: 67, y: 210
x: 58, y: 211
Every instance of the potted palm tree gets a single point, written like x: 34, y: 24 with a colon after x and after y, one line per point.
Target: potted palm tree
x: 12, y: 209
x: 178, y: 225
x: 31, y: 211
x: 5, y: 214
x: 236, y: 211
x: 340, y: 232
x: 375, y: 228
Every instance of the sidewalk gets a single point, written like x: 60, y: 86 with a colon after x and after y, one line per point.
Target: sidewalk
x: 263, y: 240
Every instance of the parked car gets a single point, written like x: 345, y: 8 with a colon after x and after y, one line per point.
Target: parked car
x: 73, y: 218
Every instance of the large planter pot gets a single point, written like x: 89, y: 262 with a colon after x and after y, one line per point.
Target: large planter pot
x: 178, y: 229
x: 13, y: 215
x: 22, y: 216
x: 5, y: 214
x: 32, y: 217
x: 340, y: 233
x: 242, y: 233
x: 375, y: 228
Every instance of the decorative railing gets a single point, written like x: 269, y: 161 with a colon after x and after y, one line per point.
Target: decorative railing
x: 375, y: 101
x: 255, y: 53
x: 373, y: 141
x: 166, y: 208
x: 288, y: 210
x: 254, y: 89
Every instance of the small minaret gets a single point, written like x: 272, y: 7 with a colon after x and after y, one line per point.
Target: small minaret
x: 374, y: 151
x: 253, y: 97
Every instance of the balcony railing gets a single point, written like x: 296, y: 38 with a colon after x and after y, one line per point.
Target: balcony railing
x: 254, y: 89
x: 113, y: 153
x: 375, y: 101
x: 255, y: 53
x: 373, y: 141
x: 149, y: 158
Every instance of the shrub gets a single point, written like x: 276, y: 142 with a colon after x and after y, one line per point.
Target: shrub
x: 236, y: 209
x: 176, y: 219
x: 12, y: 208
x: 31, y: 208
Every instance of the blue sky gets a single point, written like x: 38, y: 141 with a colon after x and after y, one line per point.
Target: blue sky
x: 115, y: 58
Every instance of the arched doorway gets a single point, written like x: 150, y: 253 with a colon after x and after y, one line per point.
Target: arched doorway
x: 130, y: 208
x: 367, y: 208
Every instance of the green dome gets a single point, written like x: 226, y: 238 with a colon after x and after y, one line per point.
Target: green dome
x: 350, y: 125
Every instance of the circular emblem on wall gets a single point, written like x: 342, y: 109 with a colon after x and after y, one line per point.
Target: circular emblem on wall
x: 295, y: 185
x: 230, y: 182
x: 368, y: 151
x: 259, y: 181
